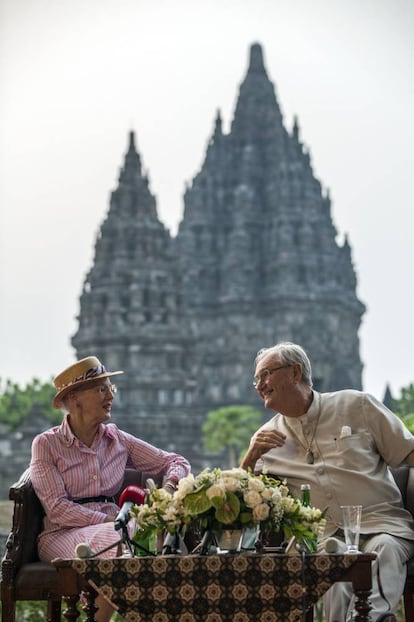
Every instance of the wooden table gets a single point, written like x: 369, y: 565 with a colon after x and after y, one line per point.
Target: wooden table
x: 214, y: 588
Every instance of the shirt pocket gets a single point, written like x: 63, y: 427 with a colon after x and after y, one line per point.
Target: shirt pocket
x: 355, y: 452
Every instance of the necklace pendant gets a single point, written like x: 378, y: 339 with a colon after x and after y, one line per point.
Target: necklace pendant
x: 310, y: 458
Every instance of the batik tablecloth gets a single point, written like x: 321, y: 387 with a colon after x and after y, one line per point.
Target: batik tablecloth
x: 214, y: 588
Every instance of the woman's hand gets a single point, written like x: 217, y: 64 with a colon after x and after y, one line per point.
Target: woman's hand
x: 170, y: 487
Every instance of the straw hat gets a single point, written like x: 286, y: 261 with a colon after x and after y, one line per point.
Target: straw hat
x: 80, y: 373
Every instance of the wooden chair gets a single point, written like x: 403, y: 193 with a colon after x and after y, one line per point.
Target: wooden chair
x: 23, y: 575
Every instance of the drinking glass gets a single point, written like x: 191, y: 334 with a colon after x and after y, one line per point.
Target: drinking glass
x: 351, y: 518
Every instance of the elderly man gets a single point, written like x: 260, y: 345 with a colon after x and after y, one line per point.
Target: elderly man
x: 341, y: 443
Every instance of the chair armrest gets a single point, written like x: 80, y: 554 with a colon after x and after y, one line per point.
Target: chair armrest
x: 401, y: 476
x: 409, y: 500
x: 21, y: 545
x: 404, y: 477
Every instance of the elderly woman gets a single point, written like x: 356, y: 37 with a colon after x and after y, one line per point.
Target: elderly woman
x: 77, y: 467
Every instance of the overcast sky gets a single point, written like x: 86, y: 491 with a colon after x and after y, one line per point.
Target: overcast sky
x: 77, y: 75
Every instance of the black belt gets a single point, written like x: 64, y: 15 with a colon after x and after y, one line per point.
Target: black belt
x: 102, y: 499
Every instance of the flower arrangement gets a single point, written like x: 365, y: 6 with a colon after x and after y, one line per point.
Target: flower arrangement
x: 234, y: 497
x: 160, y: 514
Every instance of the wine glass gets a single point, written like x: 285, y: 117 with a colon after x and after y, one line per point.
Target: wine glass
x: 351, y: 519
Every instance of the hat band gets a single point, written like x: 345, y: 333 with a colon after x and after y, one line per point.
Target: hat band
x: 90, y: 373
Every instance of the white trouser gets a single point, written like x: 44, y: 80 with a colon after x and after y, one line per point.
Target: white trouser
x: 388, y: 579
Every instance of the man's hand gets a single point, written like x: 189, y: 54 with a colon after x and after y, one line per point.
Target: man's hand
x: 262, y: 442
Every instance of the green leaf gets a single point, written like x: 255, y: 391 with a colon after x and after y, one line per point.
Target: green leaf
x: 245, y: 518
x: 228, y: 509
x: 197, y: 502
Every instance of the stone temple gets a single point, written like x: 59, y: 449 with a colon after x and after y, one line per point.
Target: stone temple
x: 255, y: 261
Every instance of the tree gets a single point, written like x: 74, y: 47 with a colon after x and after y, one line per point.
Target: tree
x: 404, y: 406
x: 231, y: 427
x: 17, y: 403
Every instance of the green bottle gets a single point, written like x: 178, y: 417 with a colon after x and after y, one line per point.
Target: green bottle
x: 305, y: 494
x: 149, y: 542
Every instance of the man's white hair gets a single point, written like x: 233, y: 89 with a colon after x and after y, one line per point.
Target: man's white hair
x: 289, y: 354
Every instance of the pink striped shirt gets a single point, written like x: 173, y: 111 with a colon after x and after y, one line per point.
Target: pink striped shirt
x: 63, y: 468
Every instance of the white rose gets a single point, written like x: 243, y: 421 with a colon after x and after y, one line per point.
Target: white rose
x: 260, y: 512
x: 267, y: 494
x: 256, y: 484
x: 252, y: 498
x: 185, y: 486
x: 231, y: 483
x: 216, y: 490
x: 186, y: 483
x: 278, y: 499
x: 236, y: 472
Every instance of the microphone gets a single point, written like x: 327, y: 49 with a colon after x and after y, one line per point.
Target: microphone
x: 150, y: 484
x: 174, y: 545
x: 171, y: 545
x: 132, y: 495
x: 83, y: 550
x: 332, y: 546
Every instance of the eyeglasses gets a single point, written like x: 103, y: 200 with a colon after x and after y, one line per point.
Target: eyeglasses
x: 104, y: 388
x: 265, y: 375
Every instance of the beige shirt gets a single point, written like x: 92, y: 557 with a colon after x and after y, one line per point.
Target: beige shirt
x: 355, y: 439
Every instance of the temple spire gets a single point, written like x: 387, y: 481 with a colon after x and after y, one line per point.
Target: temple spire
x: 131, y: 146
x: 257, y: 116
x: 388, y: 399
x: 256, y: 64
x: 218, y: 130
x: 295, y: 129
x: 131, y: 170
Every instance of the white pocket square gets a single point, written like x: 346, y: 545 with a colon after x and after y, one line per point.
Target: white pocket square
x: 345, y: 431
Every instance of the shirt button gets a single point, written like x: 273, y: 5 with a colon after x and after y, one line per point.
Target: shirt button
x: 329, y: 495
x: 320, y: 470
x: 95, y: 477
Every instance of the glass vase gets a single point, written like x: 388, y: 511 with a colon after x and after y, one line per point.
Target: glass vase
x: 145, y: 543
x: 229, y: 540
